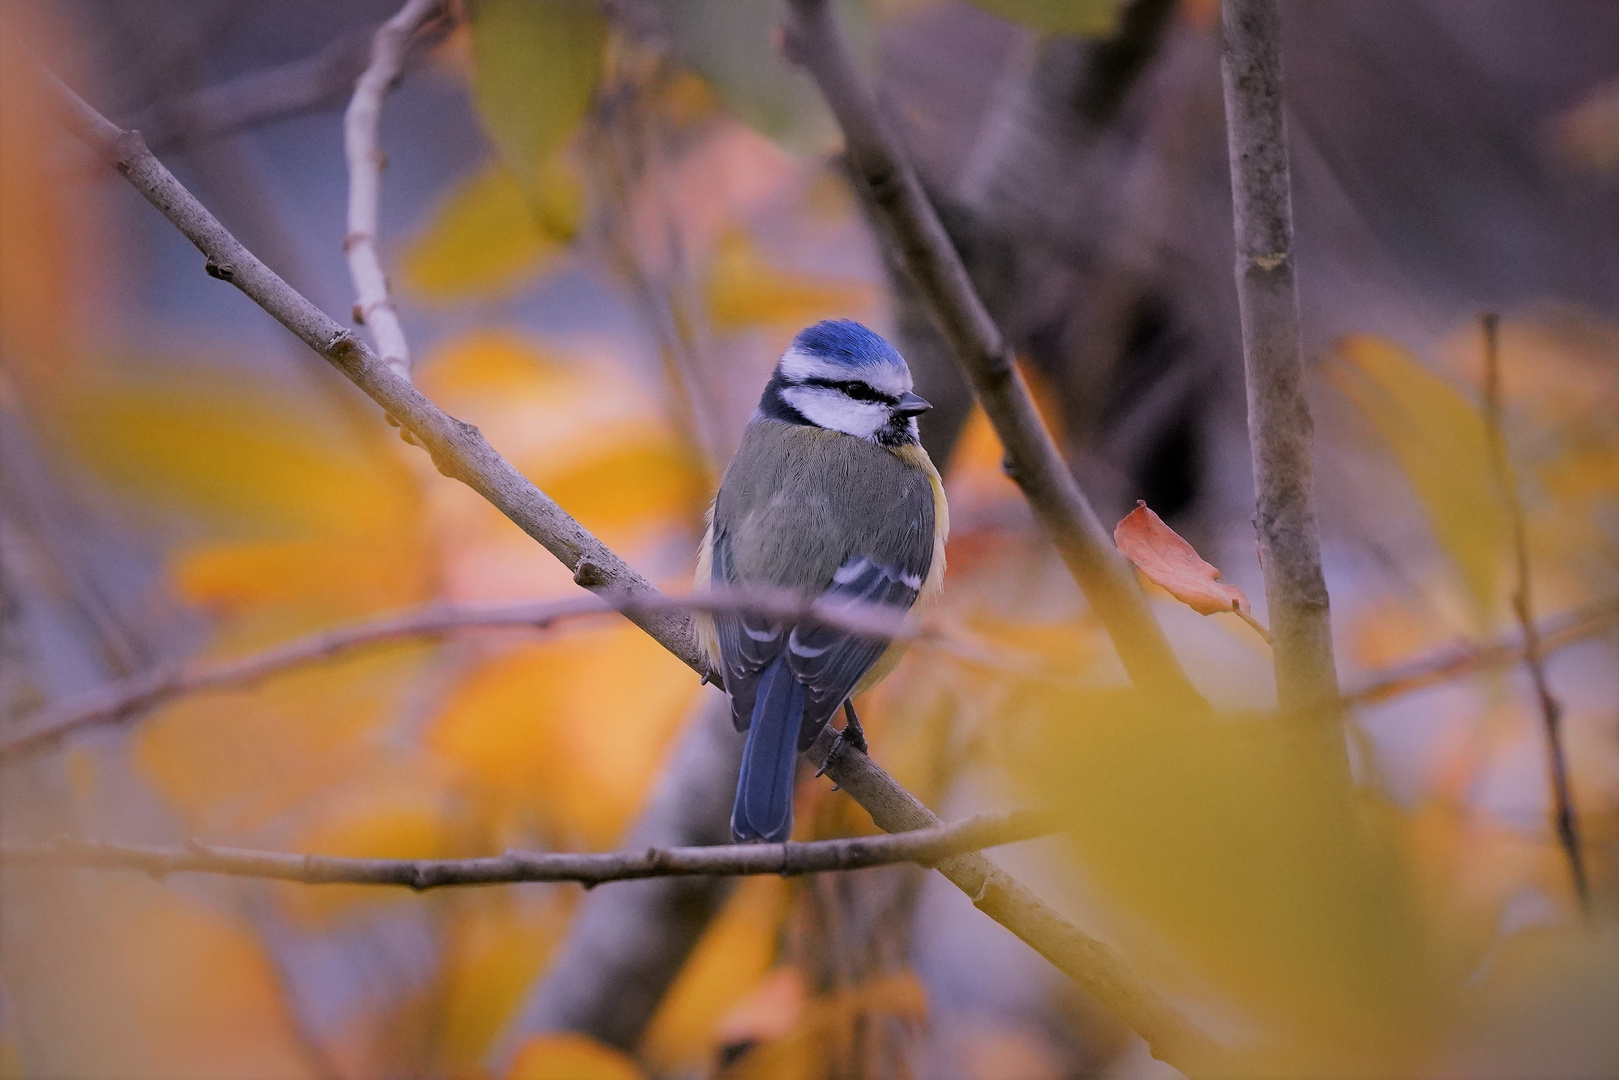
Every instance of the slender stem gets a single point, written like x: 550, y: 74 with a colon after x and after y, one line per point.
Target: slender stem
x: 127, y: 697
x: 1564, y: 819
x: 1445, y: 665
x: 373, y: 307
x: 1279, y: 424
x: 460, y: 451
x: 926, y: 846
x: 1032, y: 458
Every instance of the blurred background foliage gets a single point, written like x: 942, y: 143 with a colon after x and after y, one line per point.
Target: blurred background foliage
x: 603, y: 225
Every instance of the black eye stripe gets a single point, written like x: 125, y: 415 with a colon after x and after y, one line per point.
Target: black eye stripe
x: 852, y: 388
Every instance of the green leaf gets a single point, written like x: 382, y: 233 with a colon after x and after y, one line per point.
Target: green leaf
x: 1089, y: 18
x: 536, y: 67
x: 732, y: 45
x: 489, y: 234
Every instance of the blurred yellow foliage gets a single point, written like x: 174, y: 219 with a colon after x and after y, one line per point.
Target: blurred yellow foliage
x: 500, y: 940
x: 1090, y: 18
x: 1440, y: 441
x: 1223, y: 845
x: 568, y: 734
x: 743, y: 290
x: 233, y: 761
x: 536, y: 64
x: 571, y: 1057
x: 492, y: 233
x: 728, y: 964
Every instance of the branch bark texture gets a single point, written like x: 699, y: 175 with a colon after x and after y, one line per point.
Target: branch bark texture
x: 1279, y: 425
x: 373, y: 307
x: 588, y: 869
x: 1032, y: 458
x: 461, y: 452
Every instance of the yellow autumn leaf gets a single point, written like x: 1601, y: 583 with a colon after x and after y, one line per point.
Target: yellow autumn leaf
x: 1238, y: 863
x: 491, y: 233
x: 570, y: 732
x: 728, y: 964
x: 571, y: 1057
x: 1088, y: 18
x: 635, y: 483
x: 230, y: 450
x: 498, y: 943
x: 1440, y: 442
x: 227, y: 762
x: 327, y: 578
x: 743, y: 290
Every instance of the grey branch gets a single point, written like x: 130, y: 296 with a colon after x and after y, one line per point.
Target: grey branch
x: 1279, y: 425
x: 373, y: 306
x: 1033, y: 460
x: 1459, y: 662
x: 322, y: 80
x: 1564, y: 820
x: 925, y: 846
x: 460, y: 451
x: 127, y: 697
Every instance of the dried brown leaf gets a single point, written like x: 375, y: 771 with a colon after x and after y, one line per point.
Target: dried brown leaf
x: 1173, y: 564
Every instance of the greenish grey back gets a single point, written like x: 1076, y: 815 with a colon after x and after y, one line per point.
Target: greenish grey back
x: 798, y: 500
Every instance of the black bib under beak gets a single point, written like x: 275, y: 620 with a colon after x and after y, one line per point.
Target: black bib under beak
x: 911, y: 405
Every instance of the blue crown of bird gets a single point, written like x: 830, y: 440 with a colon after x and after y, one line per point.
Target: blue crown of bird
x: 830, y: 495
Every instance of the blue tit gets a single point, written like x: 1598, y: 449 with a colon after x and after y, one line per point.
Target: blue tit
x: 832, y: 496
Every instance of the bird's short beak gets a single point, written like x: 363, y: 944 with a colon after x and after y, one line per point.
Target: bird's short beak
x: 912, y: 405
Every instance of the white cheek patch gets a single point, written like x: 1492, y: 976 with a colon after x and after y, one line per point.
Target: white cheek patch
x: 837, y: 412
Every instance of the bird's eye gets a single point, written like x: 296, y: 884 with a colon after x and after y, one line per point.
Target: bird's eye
x: 860, y: 391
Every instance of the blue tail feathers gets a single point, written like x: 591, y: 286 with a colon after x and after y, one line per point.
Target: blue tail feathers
x: 764, y: 790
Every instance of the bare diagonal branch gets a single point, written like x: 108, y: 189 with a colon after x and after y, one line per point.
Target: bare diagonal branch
x: 1032, y: 458
x: 460, y: 451
x: 588, y: 869
x: 373, y: 307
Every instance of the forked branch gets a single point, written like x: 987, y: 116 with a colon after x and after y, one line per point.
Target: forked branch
x: 373, y: 306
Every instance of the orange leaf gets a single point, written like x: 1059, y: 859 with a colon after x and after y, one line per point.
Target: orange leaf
x: 571, y: 1057
x: 1173, y: 564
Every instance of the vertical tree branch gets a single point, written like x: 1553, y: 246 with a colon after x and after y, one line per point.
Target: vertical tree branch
x: 1279, y: 425
x: 373, y: 307
x: 1564, y: 820
x: 1033, y: 460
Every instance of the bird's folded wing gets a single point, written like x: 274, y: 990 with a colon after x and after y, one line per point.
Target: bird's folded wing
x: 748, y: 643
x: 829, y: 661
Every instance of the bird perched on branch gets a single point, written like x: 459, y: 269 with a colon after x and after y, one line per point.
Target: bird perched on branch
x: 830, y: 495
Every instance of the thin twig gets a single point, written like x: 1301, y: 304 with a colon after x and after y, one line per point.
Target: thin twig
x: 1564, y: 819
x: 1279, y: 425
x: 1461, y: 661
x: 1033, y: 461
x: 460, y: 451
x: 925, y: 846
x: 373, y: 307
x: 125, y: 698
x: 322, y: 80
